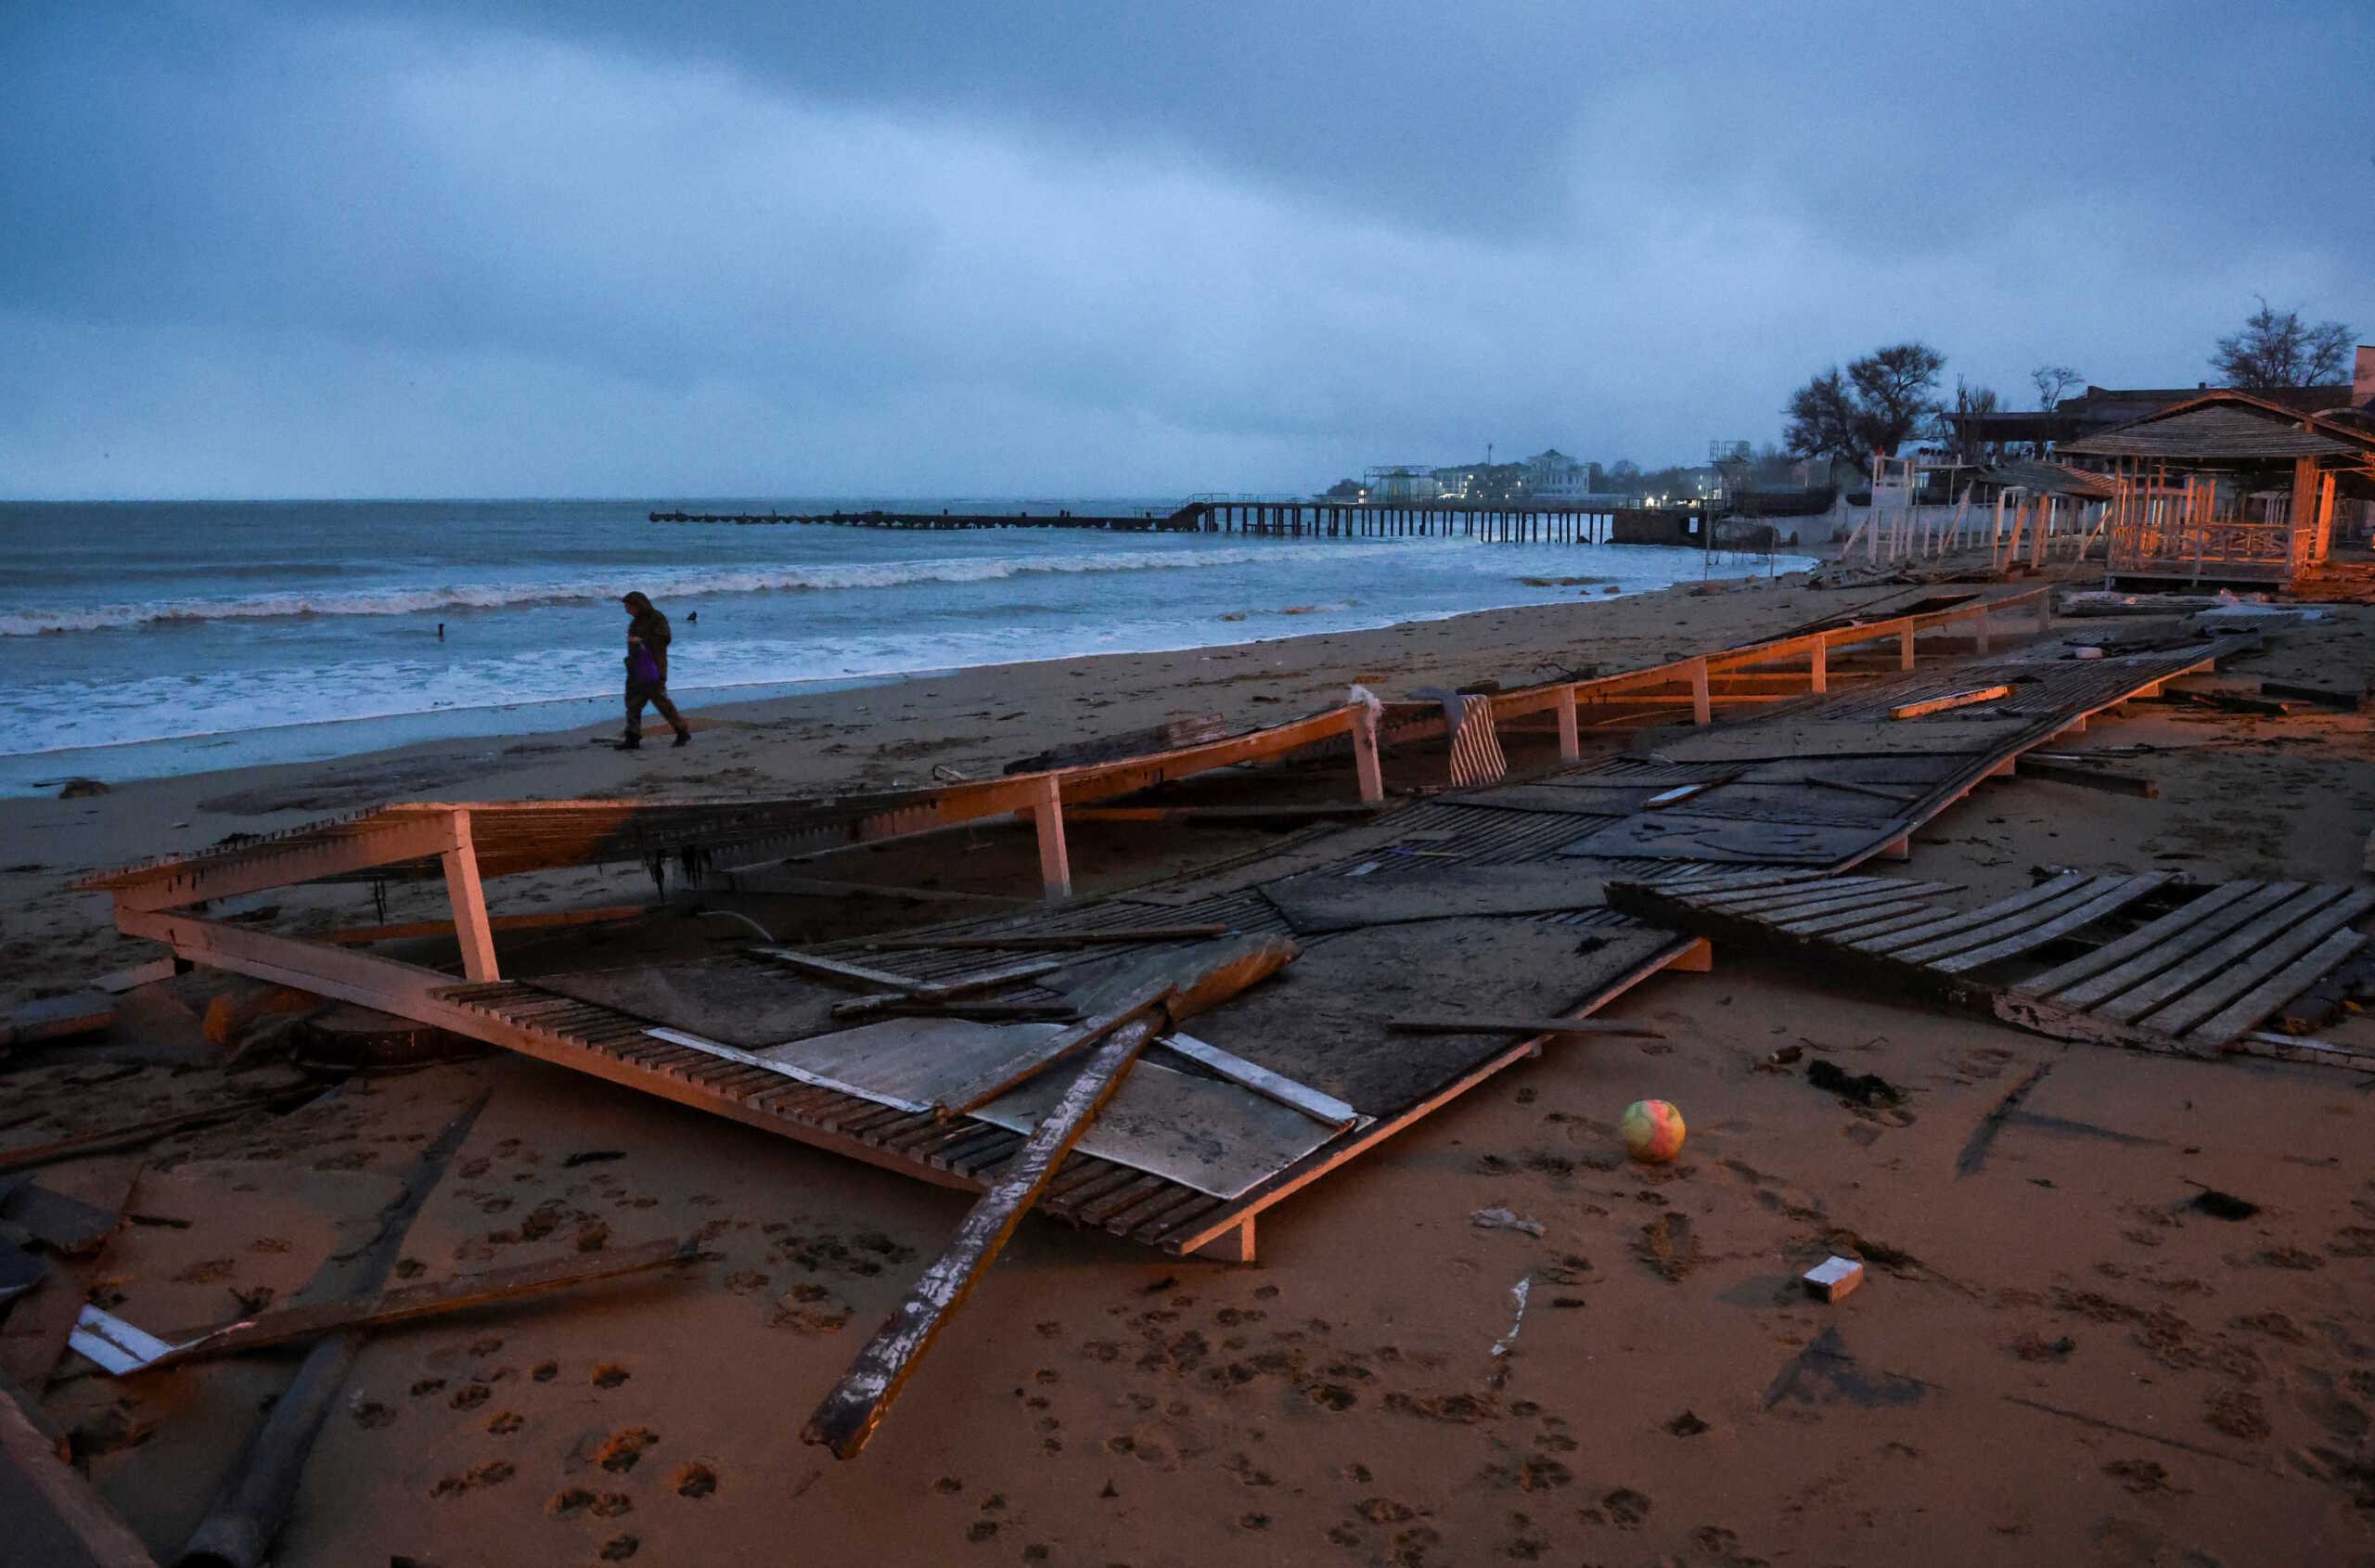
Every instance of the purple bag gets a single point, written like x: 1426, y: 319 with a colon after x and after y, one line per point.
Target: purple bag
x: 642, y: 668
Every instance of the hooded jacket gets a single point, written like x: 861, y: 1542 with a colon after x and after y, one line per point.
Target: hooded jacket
x: 652, y: 628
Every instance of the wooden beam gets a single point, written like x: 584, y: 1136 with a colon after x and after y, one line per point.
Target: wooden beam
x: 381, y: 1309
x: 1570, y: 745
x: 848, y: 1415
x: 1372, y: 777
x: 1953, y: 700
x: 2087, y: 777
x: 1700, y: 713
x: 469, y: 901
x: 364, y: 936
x: 403, y: 835
x: 1545, y: 1026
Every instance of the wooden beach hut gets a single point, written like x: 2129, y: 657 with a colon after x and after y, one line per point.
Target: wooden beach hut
x: 2228, y: 487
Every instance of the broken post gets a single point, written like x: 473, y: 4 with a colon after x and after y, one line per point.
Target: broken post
x: 1055, y: 860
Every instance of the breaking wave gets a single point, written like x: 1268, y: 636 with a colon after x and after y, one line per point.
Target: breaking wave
x: 661, y: 584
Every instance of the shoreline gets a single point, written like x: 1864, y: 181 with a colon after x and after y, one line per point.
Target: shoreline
x: 886, y: 734
x: 401, y: 730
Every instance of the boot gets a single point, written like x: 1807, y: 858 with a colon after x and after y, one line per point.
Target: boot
x: 683, y: 737
x: 629, y: 743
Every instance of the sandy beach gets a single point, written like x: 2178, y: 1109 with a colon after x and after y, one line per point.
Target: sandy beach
x: 2057, y: 1356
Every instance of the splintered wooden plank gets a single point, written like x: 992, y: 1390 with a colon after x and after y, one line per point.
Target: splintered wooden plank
x: 1929, y: 706
x: 2276, y: 990
x: 1921, y: 905
x: 2105, y: 901
x: 1754, y: 897
x: 404, y: 1303
x: 2189, y: 937
x: 2012, y: 924
x: 2134, y: 1003
x: 1523, y: 1026
x: 1861, y: 899
x: 2256, y: 964
x: 2142, y: 940
x: 849, y: 1415
x: 1912, y: 936
x: 1881, y: 922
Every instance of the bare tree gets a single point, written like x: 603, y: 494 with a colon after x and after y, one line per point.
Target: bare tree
x: 2051, y: 381
x: 2277, y: 349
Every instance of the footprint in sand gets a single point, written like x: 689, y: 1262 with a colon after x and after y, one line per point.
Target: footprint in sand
x: 492, y: 1473
x: 695, y: 1481
x: 608, y: 1374
x: 619, y: 1451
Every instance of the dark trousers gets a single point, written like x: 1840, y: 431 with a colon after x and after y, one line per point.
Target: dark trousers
x: 637, y: 694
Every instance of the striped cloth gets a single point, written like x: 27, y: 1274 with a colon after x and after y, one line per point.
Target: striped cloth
x: 1475, y: 748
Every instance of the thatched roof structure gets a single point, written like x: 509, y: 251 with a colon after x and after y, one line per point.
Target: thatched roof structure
x: 2041, y: 479
x: 2231, y: 426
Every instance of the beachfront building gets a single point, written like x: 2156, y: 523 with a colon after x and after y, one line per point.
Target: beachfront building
x: 2228, y: 486
x: 2099, y: 409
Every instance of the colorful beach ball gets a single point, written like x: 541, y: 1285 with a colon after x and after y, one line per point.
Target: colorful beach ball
x: 1652, y: 1131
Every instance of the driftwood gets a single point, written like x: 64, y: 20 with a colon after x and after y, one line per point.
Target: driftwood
x: 247, y: 1513
x: 133, y: 1134
x: 2087, y: 777
x: 383, y: 1309
x: 52, y: 1515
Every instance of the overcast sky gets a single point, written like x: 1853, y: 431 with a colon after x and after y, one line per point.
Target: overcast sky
x: 502, y: 248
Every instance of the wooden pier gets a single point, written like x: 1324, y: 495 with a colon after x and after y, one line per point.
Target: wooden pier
x: 1521, y: 524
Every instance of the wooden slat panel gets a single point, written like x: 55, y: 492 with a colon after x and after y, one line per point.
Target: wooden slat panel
x: 2083, y: 896
x: 1762, y: 893
x: 1913, y: 936
x: 2108, y: 901
x: 2276, y: 990
x: 1865, y: 917
x: 2259, y: 964
x: 2138, y: 941
x: 2139, y: 999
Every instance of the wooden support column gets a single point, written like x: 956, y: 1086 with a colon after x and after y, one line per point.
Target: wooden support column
x: 1570, y: 743
x: 1979, y: 630
x: 468, y: 900
x: 1365, y: 760
x: 1821, y: 669
x: 1233, y: 1245
x: 1702, y: 712
x: 1055, y: 859
x: 1905, y: 647
x: 2045, y: 611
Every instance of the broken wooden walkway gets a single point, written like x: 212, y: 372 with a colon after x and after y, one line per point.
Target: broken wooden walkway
x: 2144, y: 961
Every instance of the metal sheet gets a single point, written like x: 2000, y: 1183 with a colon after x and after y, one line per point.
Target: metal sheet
x: 1215, y: 1137
x: 1678, y: 836
x: 919, y: 1061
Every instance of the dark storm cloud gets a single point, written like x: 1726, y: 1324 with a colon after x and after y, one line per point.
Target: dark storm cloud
x: 600, y: 247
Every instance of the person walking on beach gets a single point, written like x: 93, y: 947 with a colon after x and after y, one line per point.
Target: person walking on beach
x: 647, y: 638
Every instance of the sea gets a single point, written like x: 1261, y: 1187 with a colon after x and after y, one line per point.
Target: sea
x: 149, y: 638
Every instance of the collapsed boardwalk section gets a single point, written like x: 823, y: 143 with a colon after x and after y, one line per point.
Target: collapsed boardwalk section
x: 930, y: 1055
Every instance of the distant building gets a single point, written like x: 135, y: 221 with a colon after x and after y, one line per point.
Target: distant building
x: 1554, y: 476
